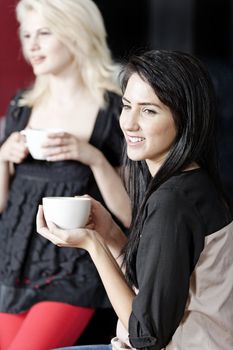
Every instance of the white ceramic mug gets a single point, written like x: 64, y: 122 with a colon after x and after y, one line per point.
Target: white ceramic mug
x: 67, y: 212
x: 35, y: 139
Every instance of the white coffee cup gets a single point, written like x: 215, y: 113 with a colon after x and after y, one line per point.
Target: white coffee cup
x: 35, y: 139
x: 67, y: 212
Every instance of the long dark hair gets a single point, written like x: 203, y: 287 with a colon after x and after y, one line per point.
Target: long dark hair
x: 183, y: 84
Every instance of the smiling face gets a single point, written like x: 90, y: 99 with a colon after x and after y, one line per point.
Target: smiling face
x: 43, y: 50
x: 147, y: 124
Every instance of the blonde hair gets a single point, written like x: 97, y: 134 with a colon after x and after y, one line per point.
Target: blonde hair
x: 79, y: 25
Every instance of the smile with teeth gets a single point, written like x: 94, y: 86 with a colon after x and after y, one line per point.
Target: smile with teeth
x: 135, y: 139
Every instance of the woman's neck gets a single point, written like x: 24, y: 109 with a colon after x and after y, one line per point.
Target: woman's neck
x: 64, y: 89
x: 66, y: 85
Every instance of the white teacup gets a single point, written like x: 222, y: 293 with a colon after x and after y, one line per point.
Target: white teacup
x: 35, y: 138
x: 67, y: 212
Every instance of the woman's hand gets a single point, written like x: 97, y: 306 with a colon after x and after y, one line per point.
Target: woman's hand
x: 100, y: 227
x: 102, y: 222
x: 109, y: 231
x: 14, y: 149
x: 77, y: 238
x: 64, y: 146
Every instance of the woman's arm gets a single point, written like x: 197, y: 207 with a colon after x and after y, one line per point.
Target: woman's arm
x: 120, y: 294
x: 111, y: 188
x: 4, y: 182
x: 111, y: 233
x: 64, y: 146
x: 13, y: 150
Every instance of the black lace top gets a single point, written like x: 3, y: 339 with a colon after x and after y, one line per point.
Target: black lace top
x: 31, y: 268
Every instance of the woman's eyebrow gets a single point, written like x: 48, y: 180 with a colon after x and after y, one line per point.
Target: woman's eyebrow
x: 143, y: 103
x: 125, y: 99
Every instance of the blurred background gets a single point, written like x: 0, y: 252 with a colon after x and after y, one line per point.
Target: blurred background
x: 200, y: 27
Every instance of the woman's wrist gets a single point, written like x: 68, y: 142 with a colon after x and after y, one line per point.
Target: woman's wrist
x: 98, y: 160
x: 95, y: 244
x: 116, y: 240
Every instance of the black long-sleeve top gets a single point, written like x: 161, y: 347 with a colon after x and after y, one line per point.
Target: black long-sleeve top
x: 179, y: 217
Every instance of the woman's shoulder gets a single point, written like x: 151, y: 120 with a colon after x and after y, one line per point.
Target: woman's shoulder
x: 169, y: 200
x: 108, y: 117
x: 16, y: 114
x: 14, y: 104
x: 113, y: 100
x: 194, y: 195
x: 113, y: 95
x: 174, y: 188
x: 189, y: 184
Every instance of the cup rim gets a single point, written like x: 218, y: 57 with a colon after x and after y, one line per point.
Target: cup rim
x: 65, y: 198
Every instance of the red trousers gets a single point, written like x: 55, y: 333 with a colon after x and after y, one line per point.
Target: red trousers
x: 47, y: 325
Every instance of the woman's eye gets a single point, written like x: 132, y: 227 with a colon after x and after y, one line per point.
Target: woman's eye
x: 26, y: 36
x: 149, y: 111
x: 125, y: 107
x: 45, y: 33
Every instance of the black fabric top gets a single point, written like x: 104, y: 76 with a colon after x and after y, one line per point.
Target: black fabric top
x: 31, y: 268
x: 178, y: 217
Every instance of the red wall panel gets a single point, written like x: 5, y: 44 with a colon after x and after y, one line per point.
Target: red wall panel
x: 14, y: 72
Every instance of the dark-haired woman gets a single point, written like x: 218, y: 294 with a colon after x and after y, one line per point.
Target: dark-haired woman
x: 175, y: 289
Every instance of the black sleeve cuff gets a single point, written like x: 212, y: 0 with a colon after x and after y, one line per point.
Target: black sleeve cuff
x: 136, y: 337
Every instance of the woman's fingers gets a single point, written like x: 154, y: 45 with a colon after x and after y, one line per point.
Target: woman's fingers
x: 57, y: 139
x: 40, y: 220
x: 76, y: 238
x: 14, y: 148
x: 43, y: 231
x: 59, y: 155
x: 62, y: 238
x: 60, y: 146
x: 47, y: 231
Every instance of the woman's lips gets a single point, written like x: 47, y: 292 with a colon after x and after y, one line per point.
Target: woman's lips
x: 37, y: 60
x: 134, y: 140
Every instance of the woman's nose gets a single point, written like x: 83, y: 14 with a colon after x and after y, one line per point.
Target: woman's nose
x: 34, y: 43
x: 129, y: 120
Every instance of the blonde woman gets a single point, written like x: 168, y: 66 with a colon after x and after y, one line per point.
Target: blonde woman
x: 48, y: 295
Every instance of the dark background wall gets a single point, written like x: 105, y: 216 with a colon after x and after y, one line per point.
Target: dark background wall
x: 213, y: 28
x: 201, y: 27
x: 126, y: 23
x: 14, y: 72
